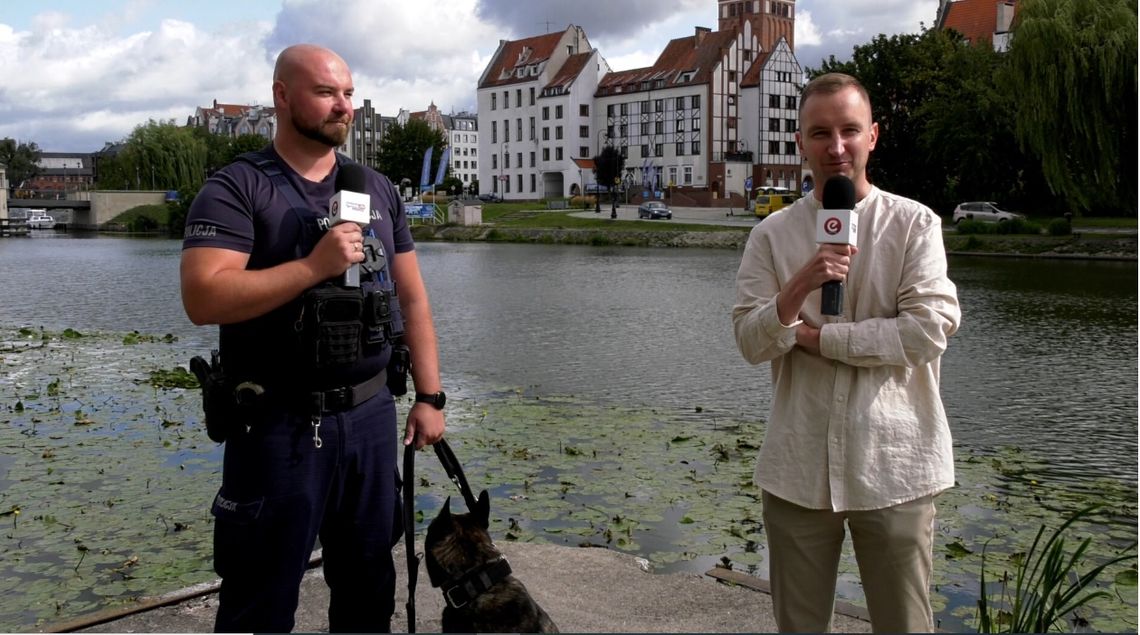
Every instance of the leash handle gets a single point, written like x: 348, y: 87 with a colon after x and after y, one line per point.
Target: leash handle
x: 454, y: 471
x: 410, y: 533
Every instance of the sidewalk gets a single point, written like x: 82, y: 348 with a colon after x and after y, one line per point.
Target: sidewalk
x: 585, y: 590
x: 732, y: 217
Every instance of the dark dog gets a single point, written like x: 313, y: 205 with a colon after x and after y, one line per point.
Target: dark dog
x: 481, y: 594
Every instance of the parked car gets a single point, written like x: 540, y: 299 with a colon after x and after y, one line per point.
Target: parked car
x: 985, y: 211
x: 490, y: 198
x: 654, y: 209
x: 766, y: 203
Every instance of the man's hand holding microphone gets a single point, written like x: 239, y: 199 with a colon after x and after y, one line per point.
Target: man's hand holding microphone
x: 342, y: 248
x: 837, y: 227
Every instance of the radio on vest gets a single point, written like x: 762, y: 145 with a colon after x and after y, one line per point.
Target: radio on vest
x: 837, y: 224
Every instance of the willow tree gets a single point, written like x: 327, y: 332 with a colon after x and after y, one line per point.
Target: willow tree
x: 158, y: 155
x: 1072, y: 74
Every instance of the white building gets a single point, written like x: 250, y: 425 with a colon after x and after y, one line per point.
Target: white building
x: 535, y: 102
x: 463, y: 139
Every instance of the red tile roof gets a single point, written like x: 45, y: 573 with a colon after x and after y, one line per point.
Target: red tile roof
x: 974, y: 19
x: 697, y: 54
x: 523, y: 52
x: 570, y: 70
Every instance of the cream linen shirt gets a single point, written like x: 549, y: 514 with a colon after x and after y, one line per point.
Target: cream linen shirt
x: 862, y: 426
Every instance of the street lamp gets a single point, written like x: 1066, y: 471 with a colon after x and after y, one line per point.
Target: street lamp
x: 504, y: 148
x: 597, y: 185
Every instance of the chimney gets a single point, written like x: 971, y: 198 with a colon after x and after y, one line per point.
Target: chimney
x: 701, y: 32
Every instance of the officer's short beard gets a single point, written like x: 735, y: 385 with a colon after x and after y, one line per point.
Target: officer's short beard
x: 321, y: 134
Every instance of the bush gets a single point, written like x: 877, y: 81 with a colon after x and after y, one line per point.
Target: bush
x: 1060, y: 227
x: 1018, y: 226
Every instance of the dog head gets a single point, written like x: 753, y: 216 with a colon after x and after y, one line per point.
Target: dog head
x: 456, y: 543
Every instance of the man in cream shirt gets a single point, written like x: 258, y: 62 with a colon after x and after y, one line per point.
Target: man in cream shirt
x: 857, y: 436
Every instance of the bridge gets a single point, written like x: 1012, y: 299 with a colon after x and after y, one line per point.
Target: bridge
x: 91, y: 209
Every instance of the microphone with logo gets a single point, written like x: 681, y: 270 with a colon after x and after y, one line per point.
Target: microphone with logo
x: 836, y: 223
x: 350, y: 204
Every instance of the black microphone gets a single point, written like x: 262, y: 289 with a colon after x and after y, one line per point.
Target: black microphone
x: 836, y: 223
x: 351, y: 204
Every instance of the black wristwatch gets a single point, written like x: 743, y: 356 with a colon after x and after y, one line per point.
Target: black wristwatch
x: 436, y: 400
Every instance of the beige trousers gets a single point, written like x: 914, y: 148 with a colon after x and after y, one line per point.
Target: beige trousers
x: 893, y: 548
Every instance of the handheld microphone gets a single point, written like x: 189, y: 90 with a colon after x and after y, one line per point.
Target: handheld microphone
x: 351, y: 204
x: 836, y: 223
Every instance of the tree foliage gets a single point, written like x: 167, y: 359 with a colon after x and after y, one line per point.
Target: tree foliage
x: 1072, y: 67
x: 609, y: 164
x: 19, y: 161
x: 401, y: 153
x: 157, y: 155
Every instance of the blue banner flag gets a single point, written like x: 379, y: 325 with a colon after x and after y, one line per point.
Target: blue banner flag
x: 442, y: 166
x: 424, y: 182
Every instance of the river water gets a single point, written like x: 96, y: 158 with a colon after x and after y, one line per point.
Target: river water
x: 1045, y: 362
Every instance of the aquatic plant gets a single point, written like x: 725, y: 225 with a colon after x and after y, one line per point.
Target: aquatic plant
x: 1046, y: 587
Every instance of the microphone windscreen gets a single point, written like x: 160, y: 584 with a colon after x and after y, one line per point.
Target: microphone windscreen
x: 351, y: 178
x: 839, y: 193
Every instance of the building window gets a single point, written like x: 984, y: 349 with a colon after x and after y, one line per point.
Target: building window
x: 494, y: 162
x: 518, y: 129
x: 584, y: 132
x: 584, y: 152
x: 532, y: 159
x: 545, y: 154
x: 773, y: 147
x: 773, y: 125
x: 519, y: 155
x: 557, y: 132
x: 790, y: 102
x: 645, y: 128
x: 506, y: 99
x: 532, y: 95
x: 518, y: 97
x: 696, y: 123
x: 658, y: 150
x: 688, y: 172
x: 520, y: 182
x: 624, y: 109
x: 680, y: 104
x: 610, y: 110
x: 644, y: 150
x: 545, y: 134
x: 506, y: 160
x: 533, y: 183
x: 695, y: 101
x: 506, y: 131
x: 646, y: 107
x: 494, y: 100
x: 584, y: 110
x: 773, y: 101
x: 558, y: 153
x: 532, y: 128
x: 790, y: 148
x: 789, y: 125
x: 696, y: 147
x: 659, y: 127
x: 680, y: 126
x: 546, y: 113
x: 558, y: 112
x: 494, y: 131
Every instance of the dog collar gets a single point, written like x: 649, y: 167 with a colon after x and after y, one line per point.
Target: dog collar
x: 462, y: 590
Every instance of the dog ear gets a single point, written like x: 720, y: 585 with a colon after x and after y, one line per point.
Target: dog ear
x: 483, y: 509
x: 445, y: 512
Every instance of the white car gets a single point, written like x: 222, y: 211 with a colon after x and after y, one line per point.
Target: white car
x: 983, y: 211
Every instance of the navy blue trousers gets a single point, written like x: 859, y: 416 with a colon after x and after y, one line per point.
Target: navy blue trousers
x: 279, y: 493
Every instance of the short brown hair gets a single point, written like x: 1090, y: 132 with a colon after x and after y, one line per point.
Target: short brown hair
x: 829, y: 84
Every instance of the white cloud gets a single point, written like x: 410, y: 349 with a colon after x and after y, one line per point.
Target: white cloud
x: 807, y: 33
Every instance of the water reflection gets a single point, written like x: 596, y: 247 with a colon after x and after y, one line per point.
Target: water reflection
x: 1046, y: 358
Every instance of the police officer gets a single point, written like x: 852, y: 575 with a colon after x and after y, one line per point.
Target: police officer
x: 316, y: 455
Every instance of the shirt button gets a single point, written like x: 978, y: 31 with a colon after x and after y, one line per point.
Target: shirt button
x: 839, y: 399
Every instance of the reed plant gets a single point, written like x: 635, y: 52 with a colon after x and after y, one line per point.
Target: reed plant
x: 1046, y: 587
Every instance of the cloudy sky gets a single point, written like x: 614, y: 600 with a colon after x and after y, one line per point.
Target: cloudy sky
x: 75, y: 74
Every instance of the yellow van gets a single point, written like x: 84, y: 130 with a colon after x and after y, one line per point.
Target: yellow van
x: 772, y: 199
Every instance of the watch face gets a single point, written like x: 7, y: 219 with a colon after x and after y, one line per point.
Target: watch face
x: 438, y: 399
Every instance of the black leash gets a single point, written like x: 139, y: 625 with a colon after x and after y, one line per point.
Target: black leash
x: 455, y: 473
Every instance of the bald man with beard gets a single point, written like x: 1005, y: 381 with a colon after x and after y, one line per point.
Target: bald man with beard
x: 312, y: 453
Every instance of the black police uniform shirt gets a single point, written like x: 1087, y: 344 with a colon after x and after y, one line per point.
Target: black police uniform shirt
x: 240, y: 209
